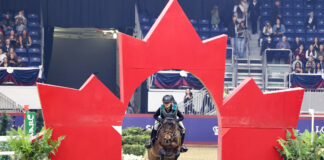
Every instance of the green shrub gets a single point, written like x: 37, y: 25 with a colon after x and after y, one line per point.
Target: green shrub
x: 5, y: 120
x: 134, y: 131
x: 40, y: 148
x: 134, y: 139
x: 299, y: 146
x: 135, y: 149
x: 4, y: 146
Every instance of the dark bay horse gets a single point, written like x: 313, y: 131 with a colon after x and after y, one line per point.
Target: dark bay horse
x: 168, y: 144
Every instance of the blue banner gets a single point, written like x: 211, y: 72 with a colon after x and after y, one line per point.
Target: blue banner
x: 22, y: 77
x: 204, y: 129
x: 307, y: 81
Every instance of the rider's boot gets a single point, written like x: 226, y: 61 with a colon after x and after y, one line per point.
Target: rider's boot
x: 183, y: 148
x: 152, y: 139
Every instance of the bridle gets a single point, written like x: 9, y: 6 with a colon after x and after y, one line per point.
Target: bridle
x: 167, y: 130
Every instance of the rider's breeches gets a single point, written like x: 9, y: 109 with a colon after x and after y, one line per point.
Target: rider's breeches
x: 156, y: 125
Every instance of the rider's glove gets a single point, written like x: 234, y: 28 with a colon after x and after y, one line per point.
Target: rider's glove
x: 159, y: 119
x: 178, y: 120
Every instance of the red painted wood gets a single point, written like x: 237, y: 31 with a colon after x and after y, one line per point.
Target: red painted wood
x: 86, y: 117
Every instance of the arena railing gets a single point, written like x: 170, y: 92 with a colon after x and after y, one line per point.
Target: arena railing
x: 201, y: 104
x: 276, y: 74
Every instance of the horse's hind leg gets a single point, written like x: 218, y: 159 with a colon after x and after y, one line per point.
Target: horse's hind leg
x: 162, y: 152
x: 177, y: 154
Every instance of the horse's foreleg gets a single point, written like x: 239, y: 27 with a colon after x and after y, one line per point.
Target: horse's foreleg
x: 162, y: 152
x: 177, y: 154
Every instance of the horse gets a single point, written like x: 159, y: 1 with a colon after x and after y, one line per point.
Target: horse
x: 168, y: 144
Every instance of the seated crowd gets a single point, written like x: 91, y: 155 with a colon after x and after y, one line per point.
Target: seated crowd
x: 13, y: 34
x: 307, y: 56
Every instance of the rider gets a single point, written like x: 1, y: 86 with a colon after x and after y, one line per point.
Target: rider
x: 167, y: 109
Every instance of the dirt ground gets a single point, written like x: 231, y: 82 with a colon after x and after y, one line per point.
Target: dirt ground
x: 196, y: 152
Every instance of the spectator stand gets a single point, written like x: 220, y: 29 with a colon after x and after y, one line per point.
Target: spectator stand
x: 31, y: 57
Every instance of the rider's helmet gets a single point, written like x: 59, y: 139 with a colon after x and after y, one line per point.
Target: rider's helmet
x: 167, y: 99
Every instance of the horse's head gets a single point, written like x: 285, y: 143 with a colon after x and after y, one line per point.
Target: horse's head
x: 169, y: 130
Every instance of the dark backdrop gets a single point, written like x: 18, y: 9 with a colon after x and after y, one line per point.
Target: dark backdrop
x: 73, y: 60
x: 195, y: 9
x: 16, y: 5
x: 117, y: 14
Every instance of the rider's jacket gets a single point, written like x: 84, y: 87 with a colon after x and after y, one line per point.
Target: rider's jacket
x: 173, y: 113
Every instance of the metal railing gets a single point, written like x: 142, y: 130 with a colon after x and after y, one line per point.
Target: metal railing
x: 8, y: 105
x: 276, y: 71
x: 201, y: 104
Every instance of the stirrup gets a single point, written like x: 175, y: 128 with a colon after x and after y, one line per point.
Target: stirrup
x: 183, y: 149
x: 148, y: 145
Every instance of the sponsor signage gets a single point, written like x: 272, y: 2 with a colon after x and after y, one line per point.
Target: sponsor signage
x: 204, y: 129
x: 30, y: 123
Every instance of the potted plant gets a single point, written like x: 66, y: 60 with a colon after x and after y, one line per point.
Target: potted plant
x: 38, y: 147
x: 302, y: 146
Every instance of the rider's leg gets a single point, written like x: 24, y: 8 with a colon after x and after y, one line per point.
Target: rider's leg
x: 153, y: 135
x: 183, y: 135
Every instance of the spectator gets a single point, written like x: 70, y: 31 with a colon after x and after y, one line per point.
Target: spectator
x: 2, y: 39
x: 268, y: 44
x: 188, y: 101
x: 296, y: 44
x: 12, y: 58
x: 25, y: 40
x: 311, y: 21
x: 5, y: 63
x: 309, y: 68
x: 319, y: 69
x: 215, y: 17
x: 276, y: 12
x: 240, y: 10
x: 300, y: 52
x: 7, y: 46
x: 267, y: 29
x: 321, y: 50
x: 311, y: 52
x: 283, y: 44
x: 294, y: 64
x: 278, y: 29
x: 321, y: 61
x: 316, y: 44
x: 13, y: 38
x: 2, y: 56
x: 298, y: 68
x: 242, y: 36
x: 19, y: 63
x: 226, y: 91
x: 21, y: 21
x: 7, y: 23
x: 254, y: 9
x: 232, y: 33
x: 311, y: 60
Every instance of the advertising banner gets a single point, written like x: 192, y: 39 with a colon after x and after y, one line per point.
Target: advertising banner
x: 30, y: 123
x: 204, y: 129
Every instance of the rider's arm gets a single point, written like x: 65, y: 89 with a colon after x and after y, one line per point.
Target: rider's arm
x: 157, y: 114
x: 180, y: 116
